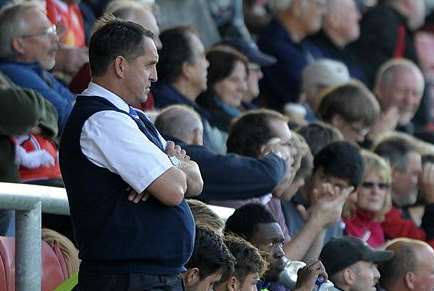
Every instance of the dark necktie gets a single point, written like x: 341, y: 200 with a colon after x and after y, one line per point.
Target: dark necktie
x: 147, y: 128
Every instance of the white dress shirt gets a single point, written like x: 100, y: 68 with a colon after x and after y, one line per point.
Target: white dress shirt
x: 113, y: 140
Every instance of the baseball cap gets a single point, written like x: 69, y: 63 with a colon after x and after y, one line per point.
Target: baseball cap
x: 325, y: 72
x: 250, y: 50
x: 340, y: 253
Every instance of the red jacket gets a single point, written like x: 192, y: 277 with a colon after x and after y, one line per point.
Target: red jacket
x: 363, y: 226
x: 394, y: 226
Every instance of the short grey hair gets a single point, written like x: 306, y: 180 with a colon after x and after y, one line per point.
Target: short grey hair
x: 12, y: 24
x: 124, y: 8
x: 178, y: 121
x: 386, y: 73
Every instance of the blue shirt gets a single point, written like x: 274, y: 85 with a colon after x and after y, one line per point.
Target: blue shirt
x: 281, y: 82
x: 33, y: 76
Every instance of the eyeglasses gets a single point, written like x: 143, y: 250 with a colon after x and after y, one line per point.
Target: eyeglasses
x: 360, y: 131
x: 254, y: 68
x: 51, y: 30
x: 371, y: 185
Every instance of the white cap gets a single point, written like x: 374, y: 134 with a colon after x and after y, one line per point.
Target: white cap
x: 325, y: 72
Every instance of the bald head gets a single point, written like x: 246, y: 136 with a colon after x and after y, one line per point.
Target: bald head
x: 181, y: 122
x: 400, y: 84
x: 410, y: 268
x: 137, y: 13
x: 341, y: 21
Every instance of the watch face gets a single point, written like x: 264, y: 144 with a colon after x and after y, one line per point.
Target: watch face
x: 174, y: 161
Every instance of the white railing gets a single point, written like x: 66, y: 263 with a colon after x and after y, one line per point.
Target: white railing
x: 29, y: 201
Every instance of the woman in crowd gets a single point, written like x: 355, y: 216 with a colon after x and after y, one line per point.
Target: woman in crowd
x: 227, y: 84
x: 373, y: 201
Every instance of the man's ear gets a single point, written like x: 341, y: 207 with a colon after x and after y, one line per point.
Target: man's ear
x: 409, y: 280
x: 233, y: 284
x: 120, y: 65
x: 349, y: 277
x: 191, y: 277
x: 18, y: 45
x: 186, y: 70
x: 197, y: 136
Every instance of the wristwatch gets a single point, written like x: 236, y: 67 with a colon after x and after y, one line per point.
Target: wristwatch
x: 174, y: 161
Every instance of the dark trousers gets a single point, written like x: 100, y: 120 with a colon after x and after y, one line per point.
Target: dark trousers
x: 129, y: 282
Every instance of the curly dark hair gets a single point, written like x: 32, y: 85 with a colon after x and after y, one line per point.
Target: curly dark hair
x: 248, y: 258
x: 210, y: 254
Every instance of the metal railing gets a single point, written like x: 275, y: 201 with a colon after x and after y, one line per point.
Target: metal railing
x: 29, y: 201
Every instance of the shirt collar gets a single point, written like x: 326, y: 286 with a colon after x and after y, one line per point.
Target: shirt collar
x: 96, y: 90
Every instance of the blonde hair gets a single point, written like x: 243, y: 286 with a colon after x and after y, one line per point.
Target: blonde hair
x: 204, y: 216
x: 66, y: 247
x: 379, y: 166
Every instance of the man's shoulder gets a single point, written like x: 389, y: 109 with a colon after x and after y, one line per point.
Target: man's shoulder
x: 11, y: 69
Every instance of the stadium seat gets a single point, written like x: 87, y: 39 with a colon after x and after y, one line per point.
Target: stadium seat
x: 52, y: 274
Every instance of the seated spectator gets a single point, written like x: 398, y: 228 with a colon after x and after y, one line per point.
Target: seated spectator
x: 411, y: 267
x: 406, y: 167
x: 373, y: 201
x: 399, y: 87
x: 318, y: 135
x: 283, y: 38
x: 249, y: 266
x: 249, y: 136
x: 352, y: 265
x: 351, y: 108
x: 386, y: 32
x: 316, y: 78
x: 244, y: 178
x: 204, y: 216
x: 29, y: 109
x: 255, y: 224
x: 340, y: 28
x: 182, y: 73
x: 243, y: 138
x: 338, y: 170
x: 257, y: 59
x: 29, y: 45
x: 210, y: 259
x: 227, y: 84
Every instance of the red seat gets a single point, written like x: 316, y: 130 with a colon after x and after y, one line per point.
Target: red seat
x: 52, y: 274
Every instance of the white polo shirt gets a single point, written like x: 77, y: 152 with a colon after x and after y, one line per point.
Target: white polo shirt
x: 113, y: 140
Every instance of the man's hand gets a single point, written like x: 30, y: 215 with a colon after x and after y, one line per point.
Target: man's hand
x: 135, y: 197
x: 426, y: 182
x: 189, y: 167
x: 328, y: 203
x: 308, y: 275
x: 176, y: 151
x: 387, y: 121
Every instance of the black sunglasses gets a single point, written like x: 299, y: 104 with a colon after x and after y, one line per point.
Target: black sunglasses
x: 370, y: 185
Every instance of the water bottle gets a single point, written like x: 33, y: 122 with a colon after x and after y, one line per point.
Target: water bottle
x: 288, y: 277
x: 322, y: 284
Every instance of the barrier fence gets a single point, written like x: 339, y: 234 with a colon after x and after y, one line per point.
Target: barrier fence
x: 29, y: 201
